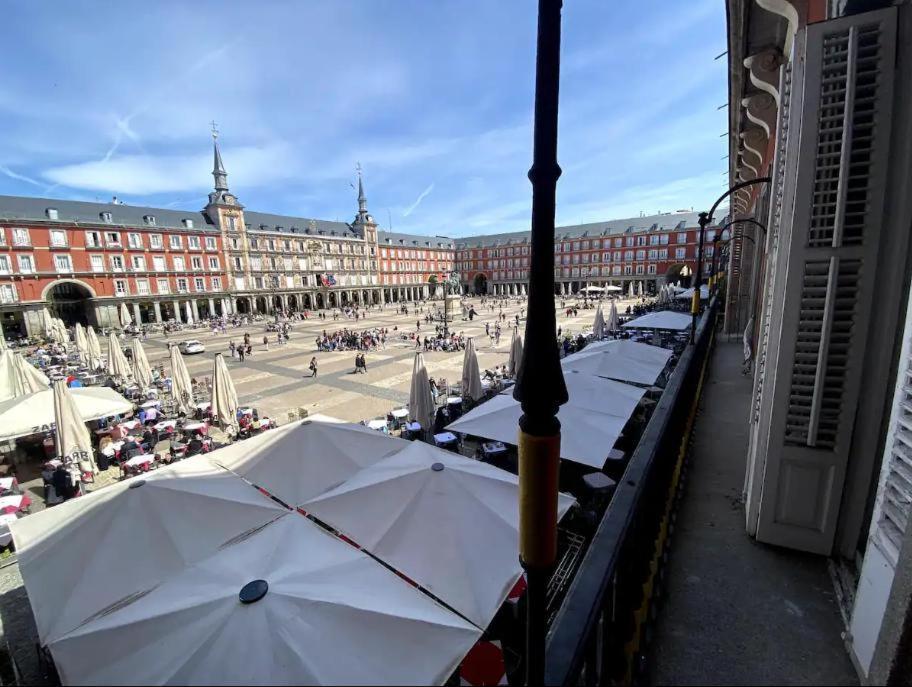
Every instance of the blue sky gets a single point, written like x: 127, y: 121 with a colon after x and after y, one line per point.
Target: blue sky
x: 433, y: 98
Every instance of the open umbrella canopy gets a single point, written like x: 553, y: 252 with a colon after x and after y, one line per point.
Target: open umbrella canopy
x: 449, y: 523
x: 471, y: 375
x: 593, y: 289
x: 687, y: 294
x: 421, y: 401
x: 128, y: 538
x: 181, y: 383
x: 302, y: 460
x: 94, y: 346
x: 71, y: 436
x: 142, y: 371
x: 18, y: 377
x: 516, y: 353
x: 290, y: 604
x: 591, y: 421
x: 612, y: 325
x: 662, y: 319
x: 34, y: 413
x: 125, y: 319
x: 613, y: 288
x: 118, y: 366
x: 625, y: 361
x: 224, y: 395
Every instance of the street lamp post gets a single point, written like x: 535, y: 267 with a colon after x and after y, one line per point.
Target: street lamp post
x: 704, y: 220
x: 540, y: 387
x: 452, y: 279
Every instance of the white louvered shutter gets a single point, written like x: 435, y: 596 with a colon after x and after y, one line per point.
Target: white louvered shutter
x: 829, y: 277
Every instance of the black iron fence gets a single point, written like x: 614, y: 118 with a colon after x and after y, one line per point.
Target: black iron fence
x: 599, y: 634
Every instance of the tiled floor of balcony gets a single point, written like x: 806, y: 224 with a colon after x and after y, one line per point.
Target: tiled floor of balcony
x: 736, y: 611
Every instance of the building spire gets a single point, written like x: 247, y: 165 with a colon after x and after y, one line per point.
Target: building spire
x: 218, y: 168
x: 362, y: 199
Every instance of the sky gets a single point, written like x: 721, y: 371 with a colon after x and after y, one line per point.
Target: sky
x: 434, y: 99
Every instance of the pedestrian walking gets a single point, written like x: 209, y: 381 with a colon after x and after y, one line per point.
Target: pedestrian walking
x: 313, y: 366
x: 240, y: 351
x: 265, y: 342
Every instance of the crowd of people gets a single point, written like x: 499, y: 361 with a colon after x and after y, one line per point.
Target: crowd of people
x: 352, y: 340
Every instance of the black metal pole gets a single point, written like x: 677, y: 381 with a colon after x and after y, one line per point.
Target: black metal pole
x: 540, y: 384
x: 695, y: 302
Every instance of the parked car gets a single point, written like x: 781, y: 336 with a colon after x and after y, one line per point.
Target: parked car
x: 190, y: 347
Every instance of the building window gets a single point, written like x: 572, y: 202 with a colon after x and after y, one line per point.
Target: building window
x: 179, y: 265
x: 682, y: 237
x: 175, y: 241
x: 134, y: 240
x: 680, y: 253
x: 628, y: 270
x: 640, y: 269
x: 234, y: 244
x: 142, y: 287
x: 4, y: 264
x: 641, y: 255
x: 149, y: 219
x: 663, y: 254
x: 117, y: 263
x: 210, y: 243
x: 2, y: 236
x: 51, y: 213
x: 158, y: 263
x: 155, y: 240
x: 188, y: 223
x: 629, y: 241
x: 106, y: 217
x: 709, y: 251
x: 216, y: 283
x: 7, y: 293
x: 163, y: 286
x: 58, y: 238
x: 139, y: 263
x: 663, y: 239
x: 641, y: 240
x: 199, y: 284
x: 653, y: 254
x: 651, y: 269
x: 120, y: 287
x: 182, y: 285
x: 194, y: 242
x: 63, y: 263
x: 213, y: 262
x: 628, y: 255
x: 97, y: 262
x: 616, y: 269
x: 196, y: 263
x: 237, y: 264
x: 232, y: 223
x: 654, y: 240
x: 21, y: 237
x: 112, y: 238
x: 26, y: 264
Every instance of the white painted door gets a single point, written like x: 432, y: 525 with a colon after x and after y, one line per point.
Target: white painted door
x: 829, y: 279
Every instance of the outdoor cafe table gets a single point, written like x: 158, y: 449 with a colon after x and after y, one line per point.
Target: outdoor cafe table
x: 399, y: 413
x: 444, y: 439
x: 5, y: 535
x: 413, y: 426
x: 138, y: 461
x: 15, y: 502
x: 196, y: 426
x: 493, y: 448
x: 165, y: 425
x: 454, y: 400
x: 377, y: 424
x: 8, y: 483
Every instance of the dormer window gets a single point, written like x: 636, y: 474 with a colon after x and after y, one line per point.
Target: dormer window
x: 51, y: 213
x: 149, y: 219
x: 188, y: 223
x: 106, y: 217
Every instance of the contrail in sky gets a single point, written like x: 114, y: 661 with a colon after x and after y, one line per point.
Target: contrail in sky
x: 424, y: 194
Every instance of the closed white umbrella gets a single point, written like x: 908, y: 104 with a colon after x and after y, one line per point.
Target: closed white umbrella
x: 459, y: 535
x: 181, y: 383
x: 82, y: 345
x: 189, y: 312
x: 301, y: 460
x: 142, y: 371
x: 421, y: 401
x: 612, y: 325
x: 125, y: 318
x: 591, y: 421
x: 516, y: 352
x: 630, y: 290
x: 34, y: 413
x: 118, y: 367
x: 224, y: 395
x: 290, y: 604
x: 471, y: 375
x: 145, y: 529
x: 94, y: 347
x: 47, y: 325
x: 598, y: 325
x: 71, y: 436
x: 3, y: 345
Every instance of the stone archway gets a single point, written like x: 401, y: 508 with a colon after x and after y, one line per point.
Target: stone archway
x: 320, y: 301
x: 292, y: 303
x: 261, y: 305
x: 243, y: 306
x: 332, y: 300
x: 308, y: 301
x: 71, y: 302
x: 480, y: 282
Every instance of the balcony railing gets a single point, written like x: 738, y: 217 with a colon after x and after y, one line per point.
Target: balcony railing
x: 597, y: 635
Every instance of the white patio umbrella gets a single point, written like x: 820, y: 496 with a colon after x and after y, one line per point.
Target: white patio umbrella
x: 224, y: 395
x: 421, y: 401
x: 612, y: 325
x: 613, y: 288
x: 301, y: 460
x: 94, y: 347
x: 516, y: 353
x: 3, y: 345
x: 71, y: 436
x: 18, y: 377
x: 34, y: 413
x: 144, y: 529
x: 625, y: 361
x: 661, y: 319
x: 288, y: 605
x: 458, y: 537
x: 142, y: 371
x: 598, y: 326
x: 189, y: 312
x: 591, y: 421
x: 125, y: 318
x: 63, y: 335
x: 471, y: 375
x: 687, y: 294
x: 630, y: 291
x: 181, y: 383
x: 47, y: 324
x: 118, y: 366
x: 82, y: 345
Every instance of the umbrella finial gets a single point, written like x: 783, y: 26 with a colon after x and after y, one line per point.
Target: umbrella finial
x: 137, y: 483
x: 253, y: 591
x: 437, y: 467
